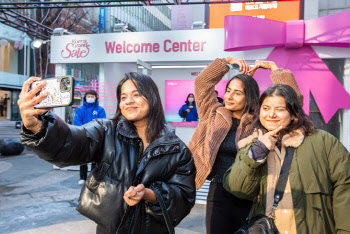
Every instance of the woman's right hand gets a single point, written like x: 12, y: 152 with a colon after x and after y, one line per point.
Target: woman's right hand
x: 268, y: 138
x: 243, y: 65
x: 26, y: 102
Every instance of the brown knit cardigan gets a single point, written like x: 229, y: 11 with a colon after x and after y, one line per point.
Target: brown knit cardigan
x: 215, y: 120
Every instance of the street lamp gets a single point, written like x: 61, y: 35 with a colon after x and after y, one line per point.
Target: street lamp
x: 60, y: 32
x: 38, y: 43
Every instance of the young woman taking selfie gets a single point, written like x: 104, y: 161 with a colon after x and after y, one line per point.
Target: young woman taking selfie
x: 141, y: 165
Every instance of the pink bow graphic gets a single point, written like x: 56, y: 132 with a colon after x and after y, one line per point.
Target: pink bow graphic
x: 293, y: 51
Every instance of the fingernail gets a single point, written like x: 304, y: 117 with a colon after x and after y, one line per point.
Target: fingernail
x: 129, y: 197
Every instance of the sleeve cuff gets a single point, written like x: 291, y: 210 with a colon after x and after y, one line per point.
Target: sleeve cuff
x: 259, y: 151
x: 251, y: 164
x: 38, y: 135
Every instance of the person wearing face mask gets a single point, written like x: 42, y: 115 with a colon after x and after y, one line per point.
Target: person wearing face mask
x: 88, y: 111
x: 189, y: 110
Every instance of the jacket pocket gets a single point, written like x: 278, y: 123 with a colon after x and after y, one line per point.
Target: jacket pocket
x: 319, y: 210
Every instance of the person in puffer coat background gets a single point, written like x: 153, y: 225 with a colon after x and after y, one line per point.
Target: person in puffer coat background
x: 83, y: 114
x: 140, y: 162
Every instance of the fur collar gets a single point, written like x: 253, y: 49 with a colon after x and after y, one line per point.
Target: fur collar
x: 293, y: 139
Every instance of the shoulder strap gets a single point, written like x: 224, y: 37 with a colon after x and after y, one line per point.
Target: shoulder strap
x: 282, y: 180
x: 165, y: 212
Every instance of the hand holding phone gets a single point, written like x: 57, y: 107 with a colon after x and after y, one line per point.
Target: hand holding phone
x: 60, y: 92
x: 26, y: 102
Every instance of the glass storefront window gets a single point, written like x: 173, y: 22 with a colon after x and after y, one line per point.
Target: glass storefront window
x: 86, y: 77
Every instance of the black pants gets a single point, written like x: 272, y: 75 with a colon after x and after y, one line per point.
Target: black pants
x: 225, y: 212
x: 84, y: 170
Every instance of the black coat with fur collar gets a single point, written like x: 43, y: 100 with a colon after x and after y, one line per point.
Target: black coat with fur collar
x: 166, y: 165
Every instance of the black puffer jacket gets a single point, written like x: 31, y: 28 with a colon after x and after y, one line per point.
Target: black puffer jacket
x: 166, y: 165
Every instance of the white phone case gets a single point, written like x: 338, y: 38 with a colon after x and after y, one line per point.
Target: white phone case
x: 57, y: 97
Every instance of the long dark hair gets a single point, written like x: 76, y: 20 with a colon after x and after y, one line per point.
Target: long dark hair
x: 187, y: 99
x: 251, y: 91
x: 149, y: 90
x: 301, y: 120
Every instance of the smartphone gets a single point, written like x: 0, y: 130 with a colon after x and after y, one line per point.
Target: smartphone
x: 60, y: 89
x: 233, y: 66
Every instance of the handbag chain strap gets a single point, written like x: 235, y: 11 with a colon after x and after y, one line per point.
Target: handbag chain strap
x: 282, y: 180
x: 165, y: 212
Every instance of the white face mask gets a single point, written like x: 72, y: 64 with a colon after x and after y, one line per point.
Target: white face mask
x: 90, y: 100
x: 190, y: 99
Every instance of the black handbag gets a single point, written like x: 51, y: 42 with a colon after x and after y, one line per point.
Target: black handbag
x: 262, y: 224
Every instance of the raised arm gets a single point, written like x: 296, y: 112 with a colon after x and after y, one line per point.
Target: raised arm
x: 204, y: 84
x: 66, y: 145
x: 50, y: 137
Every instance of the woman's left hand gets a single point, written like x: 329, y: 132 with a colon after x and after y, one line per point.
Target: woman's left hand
x: 134, y: 195
x: 243, y: 65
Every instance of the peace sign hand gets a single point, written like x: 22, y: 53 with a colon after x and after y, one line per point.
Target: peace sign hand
x: 268, y: 139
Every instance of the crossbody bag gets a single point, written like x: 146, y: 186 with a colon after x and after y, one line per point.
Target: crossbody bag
x: 262, y: 224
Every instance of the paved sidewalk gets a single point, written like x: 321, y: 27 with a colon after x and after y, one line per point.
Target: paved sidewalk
x: 35, y: 198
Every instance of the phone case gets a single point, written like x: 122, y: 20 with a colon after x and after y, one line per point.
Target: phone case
x: 57, y: 97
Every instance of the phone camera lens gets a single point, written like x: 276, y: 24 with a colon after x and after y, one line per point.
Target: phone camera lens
x: 65, y: 84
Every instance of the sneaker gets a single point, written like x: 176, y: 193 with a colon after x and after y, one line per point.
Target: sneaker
x: 81, y: 182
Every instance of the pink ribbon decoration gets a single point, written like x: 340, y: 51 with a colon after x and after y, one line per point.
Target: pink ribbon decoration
x: 292, y: 41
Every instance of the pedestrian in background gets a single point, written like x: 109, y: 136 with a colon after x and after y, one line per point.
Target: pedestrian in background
x: 88, y: 111
x: 316, y: 198
x: 5, y: 102
x: 214, y: 142
x: 143, y: 181
x: 189, y: 109
x: 1, y: 106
